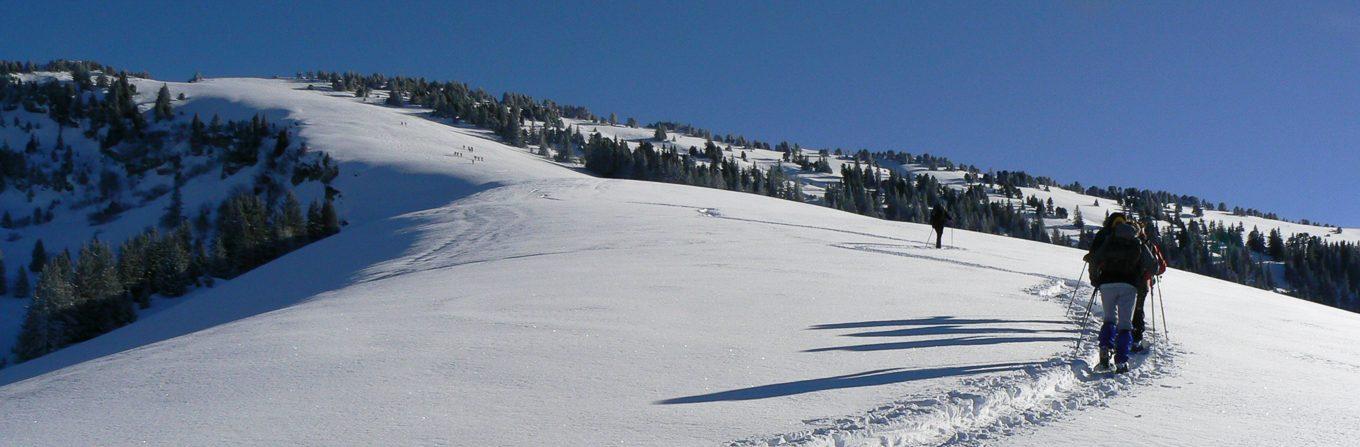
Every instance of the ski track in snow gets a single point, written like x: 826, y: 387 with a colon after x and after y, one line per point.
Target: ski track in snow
x: 987, y: 408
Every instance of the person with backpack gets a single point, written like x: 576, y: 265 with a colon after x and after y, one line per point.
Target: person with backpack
x: 1144, y: 287
x: 1118, y: 264
x: 939, y: 217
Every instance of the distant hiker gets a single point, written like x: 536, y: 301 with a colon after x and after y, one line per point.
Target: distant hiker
x: 1144, y: 287
x: 1118, y: 263
x: 938, y: 219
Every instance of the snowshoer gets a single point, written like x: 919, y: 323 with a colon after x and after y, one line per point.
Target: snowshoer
x: 1101, y: 235
x: 939, y: 217
x: 1120, y: 262
x: 1144, y: 287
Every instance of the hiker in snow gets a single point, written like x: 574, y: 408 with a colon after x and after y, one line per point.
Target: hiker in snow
x: 1144, y: 287
x: 938, y: 219
x: 1105, y: 229
x: 1118, y: 264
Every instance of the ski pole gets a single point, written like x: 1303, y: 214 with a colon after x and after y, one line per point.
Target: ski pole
x: 951, y: 237
x: 1082, y: 335
x: 1166, y: 330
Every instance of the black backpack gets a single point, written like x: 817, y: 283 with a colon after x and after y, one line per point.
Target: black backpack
x: 1121, y: 258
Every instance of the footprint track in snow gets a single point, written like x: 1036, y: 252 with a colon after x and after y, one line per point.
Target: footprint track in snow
x: 987, y: 408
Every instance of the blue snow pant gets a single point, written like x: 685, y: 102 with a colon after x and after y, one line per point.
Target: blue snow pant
x: 1117, y: 300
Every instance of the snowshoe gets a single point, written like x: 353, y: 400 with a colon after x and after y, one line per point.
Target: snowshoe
x: 1121, y: 368
x: 1104, y: 364
x: 1138, y: 347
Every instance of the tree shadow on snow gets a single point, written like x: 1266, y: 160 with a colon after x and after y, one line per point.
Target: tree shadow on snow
x: 867, y: 378
x: 329, y: 264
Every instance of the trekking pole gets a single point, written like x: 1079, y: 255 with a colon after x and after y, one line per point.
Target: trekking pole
x: 1082, y: 335
x: 951, y: 237
x: 1153, y: 309
x: 1166, y: 330
x: 1072, y: 297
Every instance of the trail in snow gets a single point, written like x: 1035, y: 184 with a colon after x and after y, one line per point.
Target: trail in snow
x: 985, y: 408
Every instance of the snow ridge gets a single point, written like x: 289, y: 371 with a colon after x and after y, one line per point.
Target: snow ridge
x: 990, y: 407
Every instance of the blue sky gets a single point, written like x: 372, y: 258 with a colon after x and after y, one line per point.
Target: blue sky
x: 1255, y: 104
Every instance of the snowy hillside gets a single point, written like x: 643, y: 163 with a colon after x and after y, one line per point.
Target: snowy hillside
x: 515, y: 301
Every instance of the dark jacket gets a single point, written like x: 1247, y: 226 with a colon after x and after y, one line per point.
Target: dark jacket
x: 1147, y: 263
x: 939, y: 217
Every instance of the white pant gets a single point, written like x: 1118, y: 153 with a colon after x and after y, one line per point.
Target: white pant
x: 1117, y: 299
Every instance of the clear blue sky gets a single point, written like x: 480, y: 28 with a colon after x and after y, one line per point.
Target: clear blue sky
x: 1254, y: 104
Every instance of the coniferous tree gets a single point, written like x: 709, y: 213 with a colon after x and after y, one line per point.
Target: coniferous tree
x: 281, y: 143
x: 169, y: 262
x: 101, y: 305
x: 46, y: 325
x: 174, y: 212
x: 512, y: 132
x: 21, y: 283
x: 39, y: 257
x: 316, y: 228
x: 292, y: 224
x: 1255, y: 241
x: 1275, y: 245
x: 330, y: 221
x: 162, y: 109
x: 132, y: 269
x: 660, y: 134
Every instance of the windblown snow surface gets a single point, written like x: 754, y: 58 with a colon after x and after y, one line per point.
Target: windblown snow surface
x: 518, y: 302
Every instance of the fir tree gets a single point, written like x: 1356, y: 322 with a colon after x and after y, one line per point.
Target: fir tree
x: 281, y: 143
x: 329, y: 219
x: 660, y: 134
x: 316, y: 229
x: 101, y: 305
x: 1275, y: 245
x: 45, y: 327
x: 174, y: 212
x: 162, y: 109
x: 21, y: 283
x: 39, y: 257
x: 292, y: 224
x: 169, y: 263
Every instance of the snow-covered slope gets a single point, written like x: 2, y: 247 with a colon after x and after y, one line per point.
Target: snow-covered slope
x: 518, y: 302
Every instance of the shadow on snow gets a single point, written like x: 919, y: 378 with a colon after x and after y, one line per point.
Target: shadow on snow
x: 867, y: 378
x: 939, y: 325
